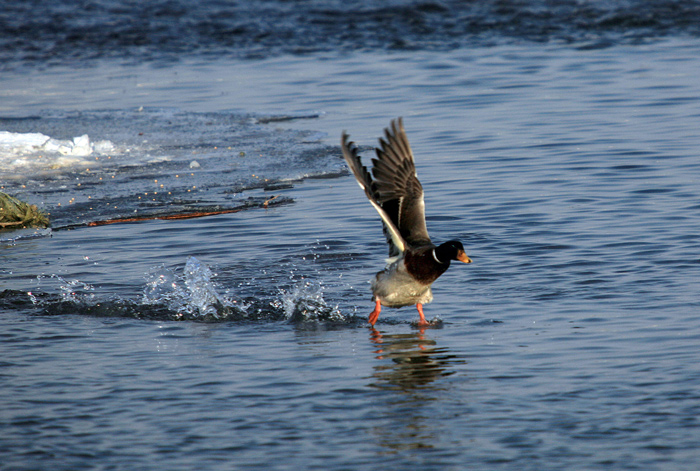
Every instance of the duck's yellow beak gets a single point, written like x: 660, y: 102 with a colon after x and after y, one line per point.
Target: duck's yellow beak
x: 462, y: 257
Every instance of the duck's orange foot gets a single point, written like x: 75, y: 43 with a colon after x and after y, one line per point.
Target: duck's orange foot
x: 422, y: 323
x: 434, y: 324
x: 375, y: 314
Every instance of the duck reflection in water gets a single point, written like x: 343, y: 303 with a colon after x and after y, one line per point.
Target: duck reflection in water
x: 416, y: 361
x: 409, y: 367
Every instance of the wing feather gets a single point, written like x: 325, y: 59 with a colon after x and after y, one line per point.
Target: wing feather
x: 399, y: 190
x: 364, y: 179
x: 392, y: 188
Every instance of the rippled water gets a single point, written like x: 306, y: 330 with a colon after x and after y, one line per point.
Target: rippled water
x: 238, y: 340
x: 163, y: 31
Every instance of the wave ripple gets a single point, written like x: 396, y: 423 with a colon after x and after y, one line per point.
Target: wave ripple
x: 165, y: 30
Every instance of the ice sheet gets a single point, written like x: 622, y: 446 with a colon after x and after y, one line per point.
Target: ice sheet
x: 36, y: 150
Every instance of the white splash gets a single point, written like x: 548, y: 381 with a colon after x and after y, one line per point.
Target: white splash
x: 70, y: 290
x: 202, y: 292
x: 194, y: 293
x: 305, y: 302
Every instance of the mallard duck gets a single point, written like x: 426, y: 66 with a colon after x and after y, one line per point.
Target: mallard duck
x: 397, y: 195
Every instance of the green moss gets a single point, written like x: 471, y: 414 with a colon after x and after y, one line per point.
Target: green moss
x: 15, y: 214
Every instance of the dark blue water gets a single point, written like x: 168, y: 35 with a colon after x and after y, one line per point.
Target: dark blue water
x: 40, y: 34
x: 557, y: 140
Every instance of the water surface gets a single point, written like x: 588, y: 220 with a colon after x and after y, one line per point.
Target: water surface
x: 567, y: 167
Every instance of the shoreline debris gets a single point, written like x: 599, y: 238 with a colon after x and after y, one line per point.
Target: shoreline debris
x: 16, y: 214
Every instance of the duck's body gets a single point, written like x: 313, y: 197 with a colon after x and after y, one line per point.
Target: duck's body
x: 397, y: 195
x: 406, y: 280
x: 396, y: 287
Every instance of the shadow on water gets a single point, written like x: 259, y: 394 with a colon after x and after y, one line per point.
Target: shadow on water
x: 410, y: 367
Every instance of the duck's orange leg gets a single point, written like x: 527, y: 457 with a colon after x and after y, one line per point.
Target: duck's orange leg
x: 422, y: 322
x: 375, y: 314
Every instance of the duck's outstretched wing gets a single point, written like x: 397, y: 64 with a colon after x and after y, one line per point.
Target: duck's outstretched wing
x: 398, y: 191
x: 397, y: 244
